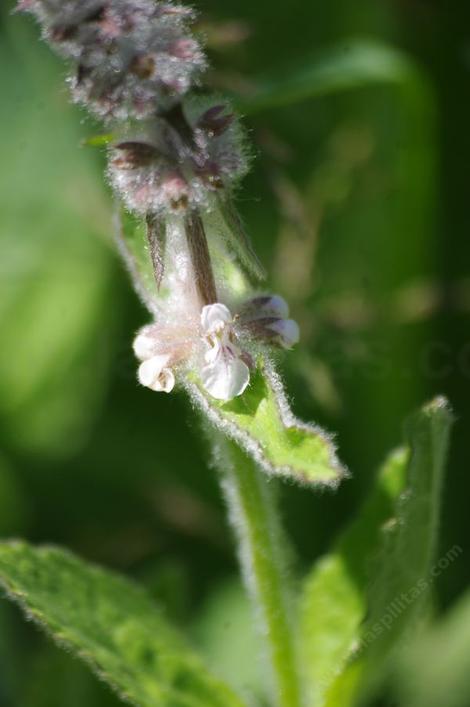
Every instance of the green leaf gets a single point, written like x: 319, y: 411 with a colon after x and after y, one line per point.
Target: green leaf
x: 226, y: 633
x: 445, y: 647
x: 400, y: 594
x: 262, y: 423
x: 349, y: 65
x: 112, y: 625
x: 333, y: 601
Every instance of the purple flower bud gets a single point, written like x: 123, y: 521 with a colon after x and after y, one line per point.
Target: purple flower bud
x: 174, y: 164
x: 265, y: 306
x: 265, y: 318
x: 286, y: 332
x: 213, y: 122
x: 133, y: 57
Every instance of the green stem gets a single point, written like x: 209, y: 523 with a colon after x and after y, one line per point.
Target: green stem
x: 253, y: 515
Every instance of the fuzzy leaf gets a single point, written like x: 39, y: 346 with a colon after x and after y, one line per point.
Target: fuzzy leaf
x: 401, y: 591
x: 333, y: 602
x: 350, y: 65
x: 445, y: 646
x: 112, y: 625
x: 261, y: 421
x: 393, y: 540
x: 412, y: 542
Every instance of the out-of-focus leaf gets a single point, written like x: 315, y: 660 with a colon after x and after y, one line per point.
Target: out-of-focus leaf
x: 112, y: 625
x: 55, y: 270
x: 334, y: 597
x: 58, y: 679
x: 349, y: 65
x: 261, y: 421
x: 13, y: 505
x: 12, y: 655
x: 401, y: 591
x: 435, y: 667
x: 226, y: 634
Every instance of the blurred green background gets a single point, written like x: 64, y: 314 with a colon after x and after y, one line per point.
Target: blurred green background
x: 358, y: 205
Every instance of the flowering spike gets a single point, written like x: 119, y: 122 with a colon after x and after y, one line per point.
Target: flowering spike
x: 133, y: 57
x: 175, y: 165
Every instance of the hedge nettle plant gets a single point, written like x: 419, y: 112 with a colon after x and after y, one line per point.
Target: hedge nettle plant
x: 175, y: 157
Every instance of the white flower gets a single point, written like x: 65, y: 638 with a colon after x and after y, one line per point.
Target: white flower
x: 155, y: 374
x: 225, y: 374
x: 209, y: 343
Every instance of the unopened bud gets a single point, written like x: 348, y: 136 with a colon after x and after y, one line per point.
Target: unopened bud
x: 133, y: 57
x: 265, y: 318
x: 265, y: 306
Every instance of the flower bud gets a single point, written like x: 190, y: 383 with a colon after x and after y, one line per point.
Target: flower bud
x: 265, y: 318
x: 286, y: 332
x: 133, y: 57
x: 264, y: 306
x: 178, y: 161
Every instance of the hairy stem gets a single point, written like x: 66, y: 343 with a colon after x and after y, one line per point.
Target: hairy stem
x: 253, y: 515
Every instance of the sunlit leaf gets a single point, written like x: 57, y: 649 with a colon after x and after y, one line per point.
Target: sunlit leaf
x: 334, y: 595
x: 262, y: 422
x: 112, y: 625
x: 401, y: 591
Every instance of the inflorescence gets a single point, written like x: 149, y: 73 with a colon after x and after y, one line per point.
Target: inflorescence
x: 174, y: 165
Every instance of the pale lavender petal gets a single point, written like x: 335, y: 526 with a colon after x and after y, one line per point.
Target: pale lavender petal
x: 288, y: 332
x: 214, y: 317
x: 225, y: 378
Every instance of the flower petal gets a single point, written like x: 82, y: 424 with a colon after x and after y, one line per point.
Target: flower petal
x: 214, y: 317
x: 155, y: 374
x: 288, y: 332
x: 226, y: 378
x: 144, y: 344
x: 265, y: 306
